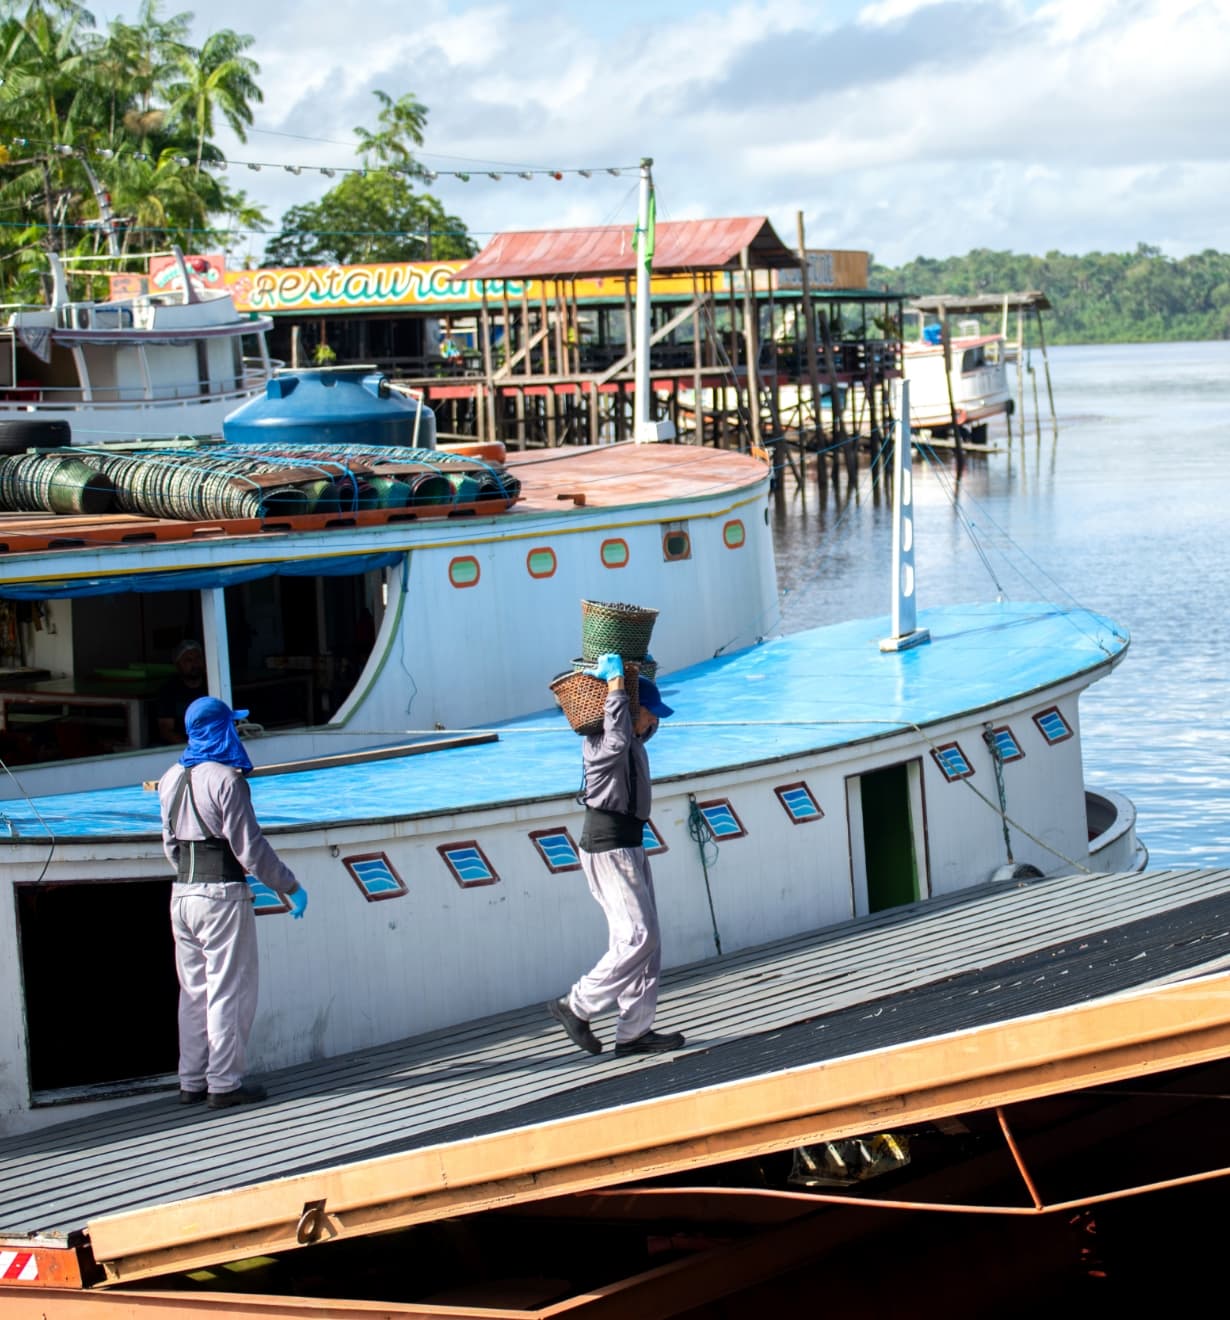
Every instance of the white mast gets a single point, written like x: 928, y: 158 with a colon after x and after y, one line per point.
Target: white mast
x: 906, y: 632
x: 645, y: 431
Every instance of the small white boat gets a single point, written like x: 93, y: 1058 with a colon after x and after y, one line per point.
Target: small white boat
x: 979, y: 384
x: 150, y: 366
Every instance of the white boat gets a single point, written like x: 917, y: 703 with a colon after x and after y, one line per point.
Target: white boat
x: 804, y: 780
x: 154, y: 365
x: 978, y: 378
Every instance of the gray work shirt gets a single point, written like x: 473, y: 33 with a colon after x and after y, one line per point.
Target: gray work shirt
x: 224, y: 802
x: 609, y: 757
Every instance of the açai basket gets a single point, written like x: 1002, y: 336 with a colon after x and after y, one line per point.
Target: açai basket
x: 612, y: 627
x: 582, y: 697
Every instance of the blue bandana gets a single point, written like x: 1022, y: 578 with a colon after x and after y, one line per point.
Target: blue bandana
x: 210, y: 724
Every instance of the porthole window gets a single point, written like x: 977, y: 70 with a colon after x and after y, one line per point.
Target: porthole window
x: 463, y: 571
x: 676, y: 544
x: 615, y: 553
x: 541, y: 562
x: 734, y: 534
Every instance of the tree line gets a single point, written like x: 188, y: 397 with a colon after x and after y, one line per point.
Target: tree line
x: 1098, y: 298
x: 107, y: 146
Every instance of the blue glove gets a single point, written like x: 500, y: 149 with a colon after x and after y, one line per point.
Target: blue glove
x: 298, y: 902
x: 609, y: 666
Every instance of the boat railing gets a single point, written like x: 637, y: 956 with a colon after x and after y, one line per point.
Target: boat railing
x: 117, y: 397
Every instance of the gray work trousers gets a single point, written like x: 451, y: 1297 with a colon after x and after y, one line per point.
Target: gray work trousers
x: 628, y: 973
x: 216, y: 959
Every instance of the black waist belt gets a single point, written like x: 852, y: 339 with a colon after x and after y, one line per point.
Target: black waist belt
x: 605, y: 831
x: 205, y: 861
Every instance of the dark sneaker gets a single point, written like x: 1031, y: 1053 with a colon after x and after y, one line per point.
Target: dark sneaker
x: 191, y: 1097
x: 247, y: 1094
x: 652, y: 1042
x: 577, y: 1028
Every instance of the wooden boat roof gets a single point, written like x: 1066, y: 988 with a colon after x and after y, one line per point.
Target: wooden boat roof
x: 957, y: 303
x: 823, y: 688
x: 679, y: 245
x: 990, y: 997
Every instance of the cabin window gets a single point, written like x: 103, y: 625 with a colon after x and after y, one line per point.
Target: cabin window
x: 1004, y: 741
x: 952, y: 761
x: 557, y: 849
x: 468, y: 864
x: 651, y: 840
x: 722, y: 819
x: 77, y: 989
x: 676, y: 544
x: 734, y: 534
x: 375, y: 875
x: 464, y: 571
x: 540, y: 562
x: 266, y: 901
x: 1052, y: 725
x: 799, y: 803
x: 614, y: 553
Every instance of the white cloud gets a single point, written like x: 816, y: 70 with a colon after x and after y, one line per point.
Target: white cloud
x: 903, y: 126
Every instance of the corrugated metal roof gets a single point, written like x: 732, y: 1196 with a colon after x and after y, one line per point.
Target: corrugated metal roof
x: 679, y: 245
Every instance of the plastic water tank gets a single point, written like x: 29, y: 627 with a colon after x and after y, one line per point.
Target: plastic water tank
x: 333, y: 407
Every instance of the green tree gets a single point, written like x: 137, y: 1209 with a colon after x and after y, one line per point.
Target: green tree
x: 372, y: 217
x: 219, y: 77
x: 401, y: 127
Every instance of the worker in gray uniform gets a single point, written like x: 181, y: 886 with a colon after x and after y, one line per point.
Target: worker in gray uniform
x: 213, y: 840
x: 617, y: 794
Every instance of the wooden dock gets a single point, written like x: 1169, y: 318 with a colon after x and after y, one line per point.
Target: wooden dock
x: 1011, y: 993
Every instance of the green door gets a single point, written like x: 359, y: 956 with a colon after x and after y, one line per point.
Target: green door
x: 888, y: 838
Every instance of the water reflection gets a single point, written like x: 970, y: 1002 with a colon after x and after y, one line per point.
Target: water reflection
x: 1125, y: 514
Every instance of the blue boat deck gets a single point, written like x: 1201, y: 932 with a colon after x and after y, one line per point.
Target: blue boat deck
x: 811, y: 690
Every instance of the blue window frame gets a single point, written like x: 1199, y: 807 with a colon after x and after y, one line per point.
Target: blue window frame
x: 375, y: 875
x: 557, y: 849
x: 1006, y: 744
x: 468, y: 864
x: 799, y: 803
x: 723, y: 819
x: 1052, y: 725
x: 952, y: 761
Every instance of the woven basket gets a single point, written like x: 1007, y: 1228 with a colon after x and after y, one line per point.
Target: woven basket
x: 582, y: 698
x: 645, y: 668
x: 621, y: 629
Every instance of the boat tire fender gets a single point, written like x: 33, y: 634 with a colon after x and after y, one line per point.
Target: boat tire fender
x: 17, y: 434
x: 1016, y: 871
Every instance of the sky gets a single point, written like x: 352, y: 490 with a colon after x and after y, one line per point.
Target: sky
x: 903, y: 127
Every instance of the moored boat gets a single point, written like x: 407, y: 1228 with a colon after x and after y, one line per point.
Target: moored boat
x: 971, y: 392
x: 156, y: 364
x: 805, y: 780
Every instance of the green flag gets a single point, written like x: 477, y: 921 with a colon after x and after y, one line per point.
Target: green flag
x: 644, y: 239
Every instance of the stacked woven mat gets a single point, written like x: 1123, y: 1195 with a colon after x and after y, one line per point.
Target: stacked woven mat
x: 606, y: 628
x: 247, y: 481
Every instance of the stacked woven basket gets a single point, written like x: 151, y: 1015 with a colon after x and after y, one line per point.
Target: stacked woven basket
x: 606, y: 628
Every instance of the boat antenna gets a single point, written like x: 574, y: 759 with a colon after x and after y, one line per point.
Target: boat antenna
x: 645, y: 431
x: 906, y: 632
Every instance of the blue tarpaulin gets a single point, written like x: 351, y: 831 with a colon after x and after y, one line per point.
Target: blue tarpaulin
x: 197, y: 579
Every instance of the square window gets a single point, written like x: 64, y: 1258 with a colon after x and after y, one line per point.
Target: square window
x: 952, y: 762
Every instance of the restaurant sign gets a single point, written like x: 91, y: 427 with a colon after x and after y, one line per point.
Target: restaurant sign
x: 404, y: 284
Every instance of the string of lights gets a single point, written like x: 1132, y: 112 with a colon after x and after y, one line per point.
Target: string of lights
x: 67, y: 149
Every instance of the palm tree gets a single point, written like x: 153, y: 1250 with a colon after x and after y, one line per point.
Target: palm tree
x: 401, y: 123
x: 220, y: 77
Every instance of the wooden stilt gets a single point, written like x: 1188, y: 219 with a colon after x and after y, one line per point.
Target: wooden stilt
x: 813, y: 377
x: 1046, y: 366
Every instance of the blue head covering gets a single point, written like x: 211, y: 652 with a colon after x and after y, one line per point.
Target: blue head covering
x: 210, y: 724
x: 651, y: 698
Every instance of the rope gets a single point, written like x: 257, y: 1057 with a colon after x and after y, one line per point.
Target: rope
x: 702, y: 832
x: 997, y: 757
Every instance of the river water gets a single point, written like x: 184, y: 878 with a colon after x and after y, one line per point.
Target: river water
x: 1124, y: 511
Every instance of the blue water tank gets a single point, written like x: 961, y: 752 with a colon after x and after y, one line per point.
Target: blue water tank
x: 332, y: 407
